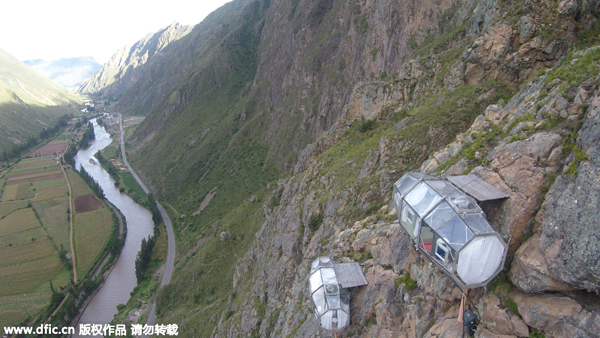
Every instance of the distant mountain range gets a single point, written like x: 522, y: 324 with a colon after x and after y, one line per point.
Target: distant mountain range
x: 29, y: 101
x: 68, y: 73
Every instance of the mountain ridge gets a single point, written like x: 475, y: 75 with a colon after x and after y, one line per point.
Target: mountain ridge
x: 29, y: 102
x: 120, y: 70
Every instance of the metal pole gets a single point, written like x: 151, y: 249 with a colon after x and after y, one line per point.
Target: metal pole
x: 462, y: 306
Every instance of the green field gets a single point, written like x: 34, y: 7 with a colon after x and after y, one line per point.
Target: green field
x: 23, y: 237
x: 129, y: 182
x: 34, y: 225
x: 15, y: 309
x: 78, y: 186
x: 28, y: 256
x: 64, y: 136
x: 31, y: 169
x: 19, y: 220
x: 30, y: 276
x: 15, y: 192
x: 91, y: 234
x: 8, y: 207
x: 24, y: 191
x: 34, y: 164
x: 9, y: 193
x: 26, y: 252
x: 48, y: 183
x: 54, y: 217
x: 51, y: 192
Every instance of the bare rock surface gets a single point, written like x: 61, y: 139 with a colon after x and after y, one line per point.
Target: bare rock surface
x: 530, y: 271
x: 570, y: 241
x: 499, y: 321
x: 559, y: 316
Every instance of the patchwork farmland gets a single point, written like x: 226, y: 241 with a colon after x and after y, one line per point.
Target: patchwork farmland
x: 34, y: 230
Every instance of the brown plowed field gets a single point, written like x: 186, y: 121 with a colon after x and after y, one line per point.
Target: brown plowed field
x: 37, y: 173
x: 50, y: 149
x: 87, y: 203
x: 35, y: 179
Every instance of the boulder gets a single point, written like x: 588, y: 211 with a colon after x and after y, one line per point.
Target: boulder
x: 557, y: 316
x: 530, y: 272
x: 517, y: 169
x: 499, y: 321
x: 447, y: 328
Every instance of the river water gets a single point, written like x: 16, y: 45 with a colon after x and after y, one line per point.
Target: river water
x: 122, y: 280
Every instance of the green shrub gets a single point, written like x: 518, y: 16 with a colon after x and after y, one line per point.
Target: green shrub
x: 366, y: 125
x: 409, y: 284
x: 534, y: 333
x: 315, y: 222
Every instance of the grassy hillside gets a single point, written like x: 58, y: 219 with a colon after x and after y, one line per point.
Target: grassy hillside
x: 202, y: 141
x: 29, y: 102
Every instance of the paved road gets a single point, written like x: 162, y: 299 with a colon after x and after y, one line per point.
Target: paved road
x: 170, y: 236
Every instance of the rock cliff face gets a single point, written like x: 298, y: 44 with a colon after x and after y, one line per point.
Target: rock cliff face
x: 524, y: 162
x: 537, y: 148
x: 343, y: 97
x: 123, y: 69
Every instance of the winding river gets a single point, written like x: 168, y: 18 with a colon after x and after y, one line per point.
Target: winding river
x: 122, y: 280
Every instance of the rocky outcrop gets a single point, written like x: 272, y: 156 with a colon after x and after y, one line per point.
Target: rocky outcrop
x: 559, y: 256
x: 499, y: 321
x: 530, y: 271
x: 558, y: 316
x: 570, y: 239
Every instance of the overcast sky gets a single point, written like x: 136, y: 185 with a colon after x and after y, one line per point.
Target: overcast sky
x: 54, y: 29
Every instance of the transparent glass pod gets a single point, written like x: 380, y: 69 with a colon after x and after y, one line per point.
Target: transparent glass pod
x: 329, y: 301
x: 449, y: 228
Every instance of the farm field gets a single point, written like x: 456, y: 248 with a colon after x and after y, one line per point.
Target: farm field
x: 30, y: 175
x: 15, y: 309
x: 92, y: 223
x: 20, y: 220
x: 130, y: 183
x: 92, y: 229
x: 33, y: 225
x: 9, y: 207
x: 53, y: 215
x: 57, y: 146
x: 28, y: 262
x: 78, y: 186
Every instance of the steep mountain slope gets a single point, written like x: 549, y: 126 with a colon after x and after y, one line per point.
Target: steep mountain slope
x: 67, y: 73
x: 342, y: 98
x: 123, y: 68
x: 29, y: 101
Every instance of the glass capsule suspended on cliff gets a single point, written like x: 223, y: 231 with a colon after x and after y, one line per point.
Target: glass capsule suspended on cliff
x: 449, y: 227
x: 329, y: 299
